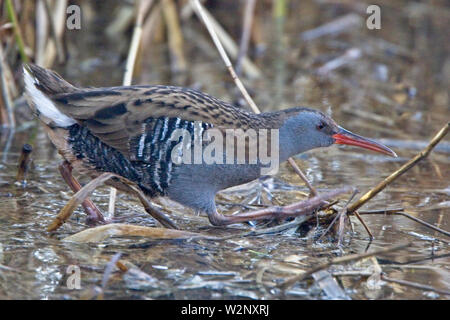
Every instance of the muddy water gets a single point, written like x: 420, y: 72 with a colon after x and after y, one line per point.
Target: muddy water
x: 395, y: 90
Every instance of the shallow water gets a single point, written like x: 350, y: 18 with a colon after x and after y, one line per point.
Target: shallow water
x: 396, y: 92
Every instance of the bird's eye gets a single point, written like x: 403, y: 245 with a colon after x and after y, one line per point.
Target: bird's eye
x: 321, y: 125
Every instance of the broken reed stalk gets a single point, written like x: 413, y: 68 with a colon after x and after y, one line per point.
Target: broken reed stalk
x: 7, y: 114
x: 41, y: 34
x: 243, y: 46
x: 17, y: 32
x: 366, y: 227
x: 414, y: 285
x: 89, y: 207
x: 308, y: 211
x: 141, y: 9
x: 424, y: 223
x: 199, y: 10
x: 101, y: 233
x: 202, y: 15
x: 76, y: 200
x: 248, y: 67
x: 291, y: 281
x: 24, y: 162
x: 383, y: 184
x: 109, y: 269
x: 300, y: 173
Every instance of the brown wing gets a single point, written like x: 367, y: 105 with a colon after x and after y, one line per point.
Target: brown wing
x: 116, y: 115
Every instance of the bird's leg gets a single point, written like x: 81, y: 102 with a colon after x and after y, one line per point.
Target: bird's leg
x: 94, y: 214
x: 276, y: 212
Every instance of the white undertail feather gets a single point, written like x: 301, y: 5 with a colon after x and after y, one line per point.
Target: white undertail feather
x: 43, y: 104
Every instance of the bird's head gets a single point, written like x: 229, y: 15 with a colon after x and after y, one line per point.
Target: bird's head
x: 313, y: 129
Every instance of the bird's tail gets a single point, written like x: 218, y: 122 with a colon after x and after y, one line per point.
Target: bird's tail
x: 40, y: 86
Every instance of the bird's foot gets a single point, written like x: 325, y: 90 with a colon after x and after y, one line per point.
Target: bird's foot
x: 278, y: 212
